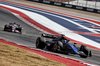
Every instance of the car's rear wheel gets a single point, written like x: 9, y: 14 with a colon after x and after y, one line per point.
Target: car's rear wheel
x: 40, y: 43
x: 5, y: 28
x: 59, y: 46
x: 54, y: 48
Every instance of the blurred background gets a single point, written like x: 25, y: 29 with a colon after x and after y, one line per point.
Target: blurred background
x: 84, y: 3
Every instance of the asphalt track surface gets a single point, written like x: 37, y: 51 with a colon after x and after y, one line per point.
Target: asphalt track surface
x: 71, y: 23
x: 30, y: 34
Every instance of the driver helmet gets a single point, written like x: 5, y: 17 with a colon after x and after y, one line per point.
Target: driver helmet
x: 14, y: 23
x: 61, y: 37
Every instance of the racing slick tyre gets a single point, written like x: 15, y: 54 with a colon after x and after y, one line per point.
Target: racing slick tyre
x: 85, y: 50
x: 40, y: 43
x: 54, y: 48
x: 5, y: 27
x: 59, y: 46
x: 19, y: 29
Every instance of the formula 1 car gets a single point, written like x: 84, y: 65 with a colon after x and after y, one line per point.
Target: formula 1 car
x: 60, y: 44
x: 13, y: 27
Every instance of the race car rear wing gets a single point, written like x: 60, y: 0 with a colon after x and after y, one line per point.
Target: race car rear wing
x: 49, y: 36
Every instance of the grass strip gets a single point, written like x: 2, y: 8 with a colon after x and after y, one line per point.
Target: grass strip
x: 15, y: 56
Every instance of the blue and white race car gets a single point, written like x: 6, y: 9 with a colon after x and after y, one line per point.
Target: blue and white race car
x: 61, y: 44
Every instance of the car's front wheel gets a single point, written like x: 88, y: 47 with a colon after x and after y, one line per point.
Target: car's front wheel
x: 84, y: 50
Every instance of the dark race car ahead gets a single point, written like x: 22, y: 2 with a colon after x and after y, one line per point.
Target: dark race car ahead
x: 61, y: 44
x: 13, y: 27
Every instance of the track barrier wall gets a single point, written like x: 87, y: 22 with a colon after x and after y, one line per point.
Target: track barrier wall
x: 68, y: 5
